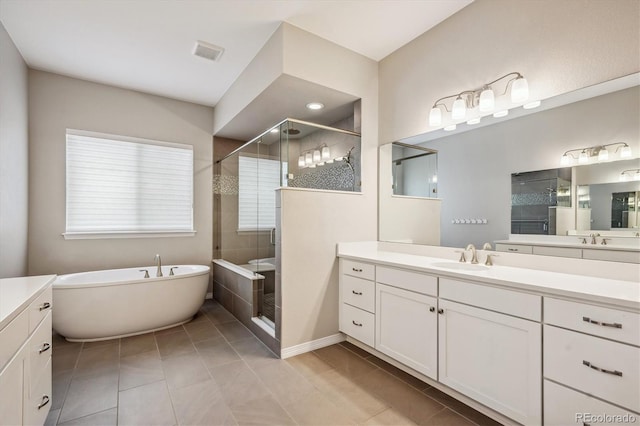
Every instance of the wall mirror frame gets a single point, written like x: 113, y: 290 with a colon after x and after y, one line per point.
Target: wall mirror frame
x: 475, y: 163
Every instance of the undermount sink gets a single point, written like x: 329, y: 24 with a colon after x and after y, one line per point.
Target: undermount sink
x: 459, y: 266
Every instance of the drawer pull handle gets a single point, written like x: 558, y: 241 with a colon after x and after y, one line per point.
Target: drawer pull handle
x: 357, y: 269
x: 45, y: 347
x: 45, y: 305
x: 604, y: 324
x: 45, y: 401
x: 357, y: 293
x: 357, y: 324
x: 614, y: 372
x: 432, y: 309
x: 512, y: 249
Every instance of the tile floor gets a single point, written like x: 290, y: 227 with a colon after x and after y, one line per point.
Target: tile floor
x: 213, y: 371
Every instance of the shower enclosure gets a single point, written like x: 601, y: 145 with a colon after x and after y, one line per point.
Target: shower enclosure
x: 293, y: 153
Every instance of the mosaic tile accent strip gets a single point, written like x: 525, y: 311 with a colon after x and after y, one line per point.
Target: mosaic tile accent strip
x: 534, y: 199
x: 336, y: 177
x: 225, y: 185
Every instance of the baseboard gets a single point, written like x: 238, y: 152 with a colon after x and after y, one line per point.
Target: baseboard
x: 312, y: 345
x: 209, y: 295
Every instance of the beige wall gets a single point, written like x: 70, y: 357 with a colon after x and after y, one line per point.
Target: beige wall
x: 57, y: 103
x: 14, y: 159
x: 559, y: 46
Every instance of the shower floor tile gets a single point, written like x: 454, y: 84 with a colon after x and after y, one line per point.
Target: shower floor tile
x: 213, y: 371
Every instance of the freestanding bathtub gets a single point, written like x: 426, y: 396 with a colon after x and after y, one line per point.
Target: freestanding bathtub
x: 101, y: 305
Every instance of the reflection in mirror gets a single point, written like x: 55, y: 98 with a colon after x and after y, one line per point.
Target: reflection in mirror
x: 414, y: 170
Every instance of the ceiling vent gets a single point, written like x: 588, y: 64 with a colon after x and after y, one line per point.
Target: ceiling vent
x: 207, y: 50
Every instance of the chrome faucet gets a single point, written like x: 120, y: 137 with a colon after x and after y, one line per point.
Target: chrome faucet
x: 474, y: 255
x: 159, y: 264
x: 593, y: 238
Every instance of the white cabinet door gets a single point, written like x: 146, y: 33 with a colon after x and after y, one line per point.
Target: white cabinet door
x: 406, y: 328
x: 12, y: 391
x: 492, y: 358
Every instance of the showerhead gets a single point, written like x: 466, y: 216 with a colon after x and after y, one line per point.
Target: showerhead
x: 291, y: 131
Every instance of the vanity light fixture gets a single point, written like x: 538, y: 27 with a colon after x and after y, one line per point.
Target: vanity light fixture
x: 315, y: 157
x: 301, y: 162
x: 450, y: 128
x: 502, y: 113
x: 599, y: 151
x: 483, y: 98
x: 326, y: 153
x: 631, y: 174
x: 474, y: 120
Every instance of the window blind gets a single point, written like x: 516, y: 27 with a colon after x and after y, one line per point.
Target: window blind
x: 119, y: 184
x: 258, y: 179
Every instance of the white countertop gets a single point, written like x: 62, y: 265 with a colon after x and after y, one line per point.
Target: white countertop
x: 578, y: 244
x: 17, y: 293
x: 623, y: 294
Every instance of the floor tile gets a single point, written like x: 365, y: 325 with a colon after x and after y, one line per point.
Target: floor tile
x: 344, y: 360
x: 184, y: 370
x: 447, y: 417
x: 170, y: 330
x: 220, y: 316
x: 353, y: 348
x: 60, y: 342
x: 142, y: 369
x: 52, y: 418
x: 135, y: 345
x: 460, y: 407
x: 316, y: 409
x: 233, y: 331
x: 262, y: 411
x: 254, y: 352
x: 98, y: 360
x: 100, y: 343
x: 216, y: 352
x: 284, y: 382
x: 65, y: 358
x: 202, y: 330
x: 201, y: 404
x: 174, y: 344
x: 309, y: 364
x: 103, y: 418
x: 389, y: 417
x: 146, y: 405
x: 405, y: 377
x: 238, y: 383
x: 90, y: 395
x: 60, y: 386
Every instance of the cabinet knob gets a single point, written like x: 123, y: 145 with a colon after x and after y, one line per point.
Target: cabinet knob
x: 432, y: 309
x: 45, y: 401
x: 441, y: 311
x: 45, y: 347
x: 45, y: 305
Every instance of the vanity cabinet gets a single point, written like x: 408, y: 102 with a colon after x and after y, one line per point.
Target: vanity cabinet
x: 25, y: 352
x: 357, y: 301
x: 490, y: 356
x: 591, y: 352
x: 581, y: 252
x: 407, y: 320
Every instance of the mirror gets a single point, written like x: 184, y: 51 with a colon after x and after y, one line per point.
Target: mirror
x: 414, y: 171
x: 475, y: 163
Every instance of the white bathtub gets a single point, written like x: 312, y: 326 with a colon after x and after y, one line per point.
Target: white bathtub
x: 101, y: 305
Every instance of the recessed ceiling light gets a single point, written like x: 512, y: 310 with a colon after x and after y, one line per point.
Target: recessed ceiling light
x: 207, y: 50
x: 315, y: 105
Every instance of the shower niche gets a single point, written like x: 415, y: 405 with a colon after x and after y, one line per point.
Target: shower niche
x: 291, y: 154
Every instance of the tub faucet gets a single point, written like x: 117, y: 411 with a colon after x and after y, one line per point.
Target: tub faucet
x: 159, y: 264
x: 474, y: 255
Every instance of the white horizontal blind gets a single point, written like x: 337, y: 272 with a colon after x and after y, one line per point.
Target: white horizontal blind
x: 118, y: 184
x: 258, y: 179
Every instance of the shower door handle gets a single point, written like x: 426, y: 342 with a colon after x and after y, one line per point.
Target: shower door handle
x: 272, y: 236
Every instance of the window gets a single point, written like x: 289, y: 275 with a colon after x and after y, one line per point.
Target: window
x: 258, y: 180
x: 121, y: 185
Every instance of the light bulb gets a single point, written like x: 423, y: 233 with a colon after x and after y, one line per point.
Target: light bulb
x: 475, y: 120
x: 625, y: 152
x: 531, y: 105
x: 435, y: 117
x: 502, y: 113
x: 459, y: 109
x: 308, y: 160
x: 316, y: 156
x: 434, y: 179
x: 603, y: 154
x: 326, y: 153
x: 450, y: 128
x: 487, y: 100
x: 301, y: 161
x: 566, y: 160
x: 519, y: 90
x: 583, y: 158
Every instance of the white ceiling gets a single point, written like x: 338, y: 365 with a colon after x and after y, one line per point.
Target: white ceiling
x: 146, y: 45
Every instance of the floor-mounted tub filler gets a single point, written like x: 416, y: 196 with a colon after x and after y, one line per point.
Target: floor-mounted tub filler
x: 101, y: 305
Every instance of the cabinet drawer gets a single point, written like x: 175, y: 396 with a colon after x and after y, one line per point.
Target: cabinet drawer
x: 612, y: 255
x: 577, y: 359
x: 12, y: 337
x: 358, y: 324
x: 358, y: 269
x: 39, y: 351
x: 557, y: 251
x: 564, y: 406
x: 610, y: 323
x: 39, y: 308
x: 38, y: 404
x: 358, y: 292
x: 413, y: 281
x: 509, y: 302
x: 514, y: 248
